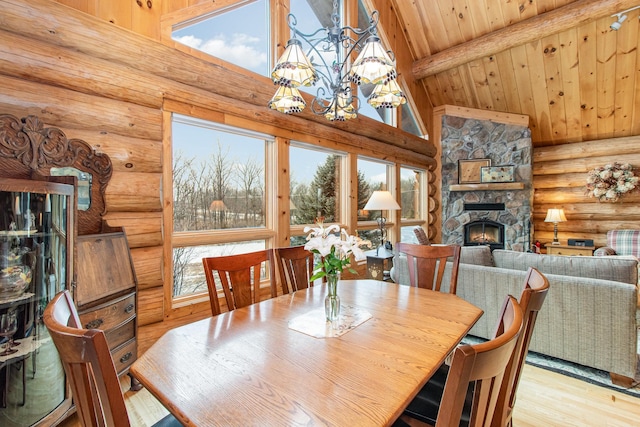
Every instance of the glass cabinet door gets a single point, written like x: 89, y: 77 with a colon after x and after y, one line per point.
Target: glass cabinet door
x: 36, y: 258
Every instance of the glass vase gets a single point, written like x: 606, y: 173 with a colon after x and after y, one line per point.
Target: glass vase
x: 332, y: 300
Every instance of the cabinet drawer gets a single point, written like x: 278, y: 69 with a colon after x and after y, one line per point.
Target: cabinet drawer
x: 110, y: 315
x: 121, y: 334
x: 125, y: 355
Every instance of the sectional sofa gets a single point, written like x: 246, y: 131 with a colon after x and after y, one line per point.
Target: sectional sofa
x: 589, y: 315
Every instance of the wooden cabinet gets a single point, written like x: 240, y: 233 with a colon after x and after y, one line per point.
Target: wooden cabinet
x: 106, y: 294
x: 36, y: 262
x: 570, y: 250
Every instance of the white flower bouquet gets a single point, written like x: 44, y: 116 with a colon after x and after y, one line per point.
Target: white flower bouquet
x: 335, y: 246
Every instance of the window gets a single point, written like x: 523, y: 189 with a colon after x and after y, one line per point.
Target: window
x: 412, y: 183
x: 219, y: 175
x: 238, y: 34
x: 408, y: 123
x: 372, y: 175
x: 315, y: 184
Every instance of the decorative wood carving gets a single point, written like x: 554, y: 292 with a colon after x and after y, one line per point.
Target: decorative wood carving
x: 28, y: 150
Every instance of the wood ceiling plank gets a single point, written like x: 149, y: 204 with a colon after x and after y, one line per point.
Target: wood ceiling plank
x: 605, y: 72
x: 543, y: 6
x: 462, y: 15
x: 527, y: 9
x: 496, y: 83
x: 555, y: 94
x: 510, y: 90
x: 478, y: 11
x: 432, y: 86
x: 446, y: 91
x: 450, y: 19
x: 433, y: 25
x: 539, y: 90
x: 525, y: 91
x: 413, y: 32
x: 482, y: 91
x: 510, y: 12
x: 588, y: 83
x: 494, y: 16
x: 568, y: 45
x: 459, y: 91
x: 626, y: 59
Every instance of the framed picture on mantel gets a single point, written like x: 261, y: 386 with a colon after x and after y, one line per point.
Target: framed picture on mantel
x: 469, y: 170
x: 497, y: 173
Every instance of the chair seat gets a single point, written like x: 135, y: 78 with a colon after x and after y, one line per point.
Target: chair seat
x: 425, y: 405
x: 168, y: 421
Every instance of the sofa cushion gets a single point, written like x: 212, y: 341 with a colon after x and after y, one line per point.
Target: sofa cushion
x: 478, y: 255
x: 605, y: 268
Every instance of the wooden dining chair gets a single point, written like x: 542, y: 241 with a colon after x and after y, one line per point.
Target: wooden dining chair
x: 426, y: 264
x: 481, y: 368
x: 239, y: 276
x: 89, y: 367
x: 295, y: 265
x: 532, y: 297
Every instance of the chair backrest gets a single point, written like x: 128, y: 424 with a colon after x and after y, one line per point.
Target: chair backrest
x: 295, y: 265
x: 426, y: 264
x: 88, y: 364
x: 485, y: 364
x: 532, y: 297
x: 239, y: 277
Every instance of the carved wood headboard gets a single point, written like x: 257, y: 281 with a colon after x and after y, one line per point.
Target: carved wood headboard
x: 28, y: 150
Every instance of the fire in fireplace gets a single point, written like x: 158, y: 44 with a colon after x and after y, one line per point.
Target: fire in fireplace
x: 484, y: 232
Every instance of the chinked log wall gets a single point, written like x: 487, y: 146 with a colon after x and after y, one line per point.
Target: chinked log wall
x: 108, y: 86
x: 559, y: 178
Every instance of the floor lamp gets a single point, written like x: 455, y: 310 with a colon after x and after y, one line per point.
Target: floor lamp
x: 381, y: 201
x: 555, y: 216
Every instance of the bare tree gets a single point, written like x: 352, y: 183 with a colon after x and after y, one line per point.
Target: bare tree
x: 249, y: 177
x: 219, y: 173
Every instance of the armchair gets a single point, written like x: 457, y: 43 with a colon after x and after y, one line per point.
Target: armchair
x: 621, y: 242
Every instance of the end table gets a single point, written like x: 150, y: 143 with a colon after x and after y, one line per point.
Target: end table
x: 379, y: 263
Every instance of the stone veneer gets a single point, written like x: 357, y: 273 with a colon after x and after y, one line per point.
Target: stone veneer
x: 504, y: 144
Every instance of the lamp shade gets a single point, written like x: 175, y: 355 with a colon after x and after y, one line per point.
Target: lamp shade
x: 381, y: 201
x: 294, y: 69
x: 287, y: 100
x: 555, y: 215
x: 387, y: 95
x: 373, y: 64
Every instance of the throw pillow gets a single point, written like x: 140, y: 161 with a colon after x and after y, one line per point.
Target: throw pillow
x: 604, y: 251
x: 421, y: 236
x: 478, y: 255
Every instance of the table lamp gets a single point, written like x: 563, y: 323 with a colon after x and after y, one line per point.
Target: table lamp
x: 555, y: 216
x: 382, y: 201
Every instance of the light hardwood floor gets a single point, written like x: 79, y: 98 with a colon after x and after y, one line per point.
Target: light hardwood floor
x: 544, y: 399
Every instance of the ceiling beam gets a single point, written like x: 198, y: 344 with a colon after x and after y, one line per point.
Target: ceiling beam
x: 552, y: 22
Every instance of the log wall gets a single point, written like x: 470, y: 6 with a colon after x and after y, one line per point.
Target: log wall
x: 559, y: 178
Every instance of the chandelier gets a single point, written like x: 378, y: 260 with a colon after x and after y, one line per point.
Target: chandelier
x: 327, y: 60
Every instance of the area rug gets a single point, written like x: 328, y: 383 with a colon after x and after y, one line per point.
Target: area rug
x: 584, y: 373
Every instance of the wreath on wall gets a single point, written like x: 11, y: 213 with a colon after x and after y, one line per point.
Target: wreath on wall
x: 609, y: 182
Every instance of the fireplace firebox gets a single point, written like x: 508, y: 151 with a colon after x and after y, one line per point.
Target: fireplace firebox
x: 484, y: 232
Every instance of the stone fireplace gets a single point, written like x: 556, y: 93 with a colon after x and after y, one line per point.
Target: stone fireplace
x: 495, y: 214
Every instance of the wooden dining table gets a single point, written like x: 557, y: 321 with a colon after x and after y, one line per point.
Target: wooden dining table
x: 251, y: 367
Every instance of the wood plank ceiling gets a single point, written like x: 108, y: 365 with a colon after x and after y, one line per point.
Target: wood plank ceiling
x: 557, y: 61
